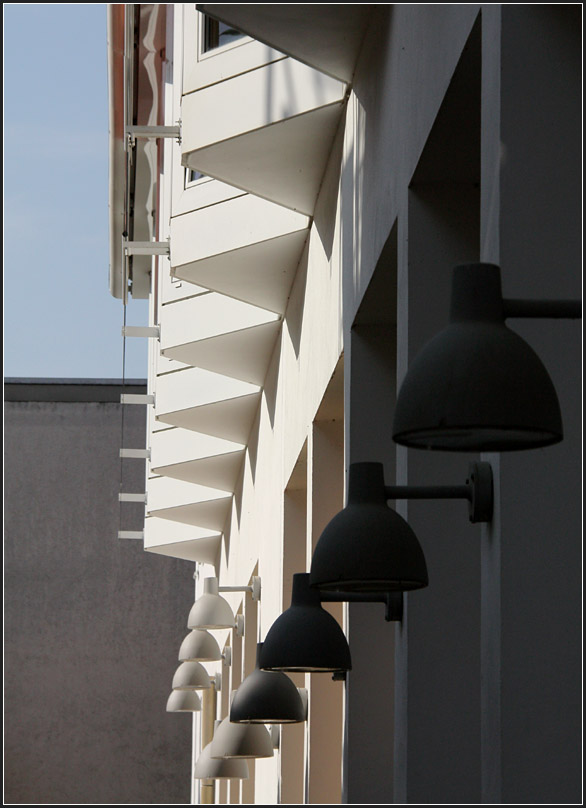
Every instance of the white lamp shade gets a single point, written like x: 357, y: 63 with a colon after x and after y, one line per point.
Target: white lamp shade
x: 191, y: 676
x: 241, y: 741
x: 211, y: 610
x: 219, y: 769
x: 201, y: 646
x: 183, y: 701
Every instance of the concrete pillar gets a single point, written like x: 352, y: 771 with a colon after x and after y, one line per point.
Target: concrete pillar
x: 438, y: 655
x: 292, y: 751
x: 326, y: 700
x: 369, y: 720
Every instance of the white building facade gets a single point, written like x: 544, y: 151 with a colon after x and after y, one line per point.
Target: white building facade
x: 318, y: 172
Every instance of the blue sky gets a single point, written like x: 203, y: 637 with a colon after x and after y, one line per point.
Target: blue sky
x: 59, y: 318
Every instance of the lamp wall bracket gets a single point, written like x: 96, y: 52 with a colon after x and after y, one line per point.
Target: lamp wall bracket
x: 131, y: 534
x: 275, y: 732
x: 393, y: 600
x: 136, y: 398
x: 146, y: 247
x: 546, y: 309
x: 139, y: 454
x: 478, y: 490
x: 153, y: 131
x: 253, y: 588
x: 141, y: 331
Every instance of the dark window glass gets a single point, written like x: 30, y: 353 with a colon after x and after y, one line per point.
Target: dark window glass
x: 191, y: 175
x: 218, y: 33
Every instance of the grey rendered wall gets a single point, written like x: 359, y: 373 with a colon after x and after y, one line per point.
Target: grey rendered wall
x: 92, y: 623
x: 487, y: 669
x: 532, y: 165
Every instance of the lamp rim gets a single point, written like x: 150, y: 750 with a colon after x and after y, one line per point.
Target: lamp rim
x: 424, y: 438
x: 375, y: 585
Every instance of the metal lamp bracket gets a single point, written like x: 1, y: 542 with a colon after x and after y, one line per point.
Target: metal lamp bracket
x: 478, y: 490
x: 227, y: 656
x: 253, y: 588
x: 239, y: 625
x: 141, y: 331
x: 133, y: 132
x: 146, y: 247
x: 543, y: 309
x: 393, y: 600
x: 275, y: 733
x: 481, y: 495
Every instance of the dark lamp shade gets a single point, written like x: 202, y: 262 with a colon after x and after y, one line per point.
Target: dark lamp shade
x: 368, y: 547
x: 267, y: 697
x: 305, y: 637
x: 477, y: 386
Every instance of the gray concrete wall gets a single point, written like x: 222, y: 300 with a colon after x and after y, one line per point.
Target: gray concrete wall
x: 92, y: 623
x: 535, y: 547
x: 466, y: 141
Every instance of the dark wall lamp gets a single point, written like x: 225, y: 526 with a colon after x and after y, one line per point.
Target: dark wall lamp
x: 265, y: 697
x: 307, y: 638
x: 477, y: 386
x: 366, y: 553
x: 368, y: 548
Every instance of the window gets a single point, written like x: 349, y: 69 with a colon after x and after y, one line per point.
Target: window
x: 216, y: 34
x: 191, y: 176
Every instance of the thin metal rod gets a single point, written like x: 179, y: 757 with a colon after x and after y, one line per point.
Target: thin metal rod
x: 208, y: 717
x: 428, y: 492
x: 558, y: 309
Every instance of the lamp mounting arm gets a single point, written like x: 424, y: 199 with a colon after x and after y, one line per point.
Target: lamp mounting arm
x: 552, y: 309
x: 478, y: 490
x: 253, y: 588
x: 393, y: 600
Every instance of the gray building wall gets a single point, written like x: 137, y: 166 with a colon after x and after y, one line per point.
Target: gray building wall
x: 93, y: 624
x: 467, y: 148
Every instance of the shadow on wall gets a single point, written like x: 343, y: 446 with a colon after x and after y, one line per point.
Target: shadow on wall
x: 294, y: 315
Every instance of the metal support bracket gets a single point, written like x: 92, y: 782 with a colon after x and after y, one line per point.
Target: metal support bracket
x: 393, y: 600
x: 131, y: 534
x: 275, y: 732
x: 136, y: 398
x: 478, y: 490
x: 146, y: 247
x: 132, y: 498
x: 133, y: 132
x: 254, y: 588
x: 141, y: 331
x: 142, y: 454
x: 543, y: 309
